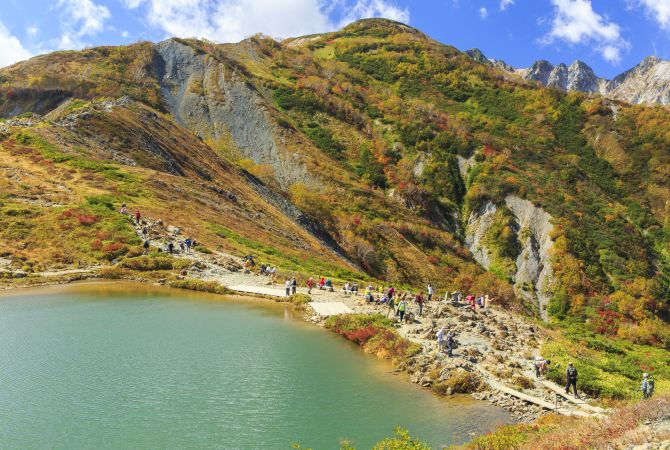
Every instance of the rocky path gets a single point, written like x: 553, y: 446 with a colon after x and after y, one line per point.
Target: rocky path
x: 495, y: 344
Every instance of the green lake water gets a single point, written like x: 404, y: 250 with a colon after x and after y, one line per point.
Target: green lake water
x: 129, y: 366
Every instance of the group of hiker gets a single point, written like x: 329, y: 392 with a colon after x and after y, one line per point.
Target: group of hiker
x: 168, y: 246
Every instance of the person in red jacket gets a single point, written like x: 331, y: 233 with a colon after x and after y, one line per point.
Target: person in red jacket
x: 137, y: 216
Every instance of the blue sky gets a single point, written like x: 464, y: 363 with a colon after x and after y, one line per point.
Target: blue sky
x: 609, y: 35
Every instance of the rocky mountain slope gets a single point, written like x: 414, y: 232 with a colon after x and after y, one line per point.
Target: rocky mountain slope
x: 646, y: 83
x: 373, y: 152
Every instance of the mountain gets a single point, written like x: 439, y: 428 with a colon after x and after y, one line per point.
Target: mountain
x: 647, y: 83
x: 369, y: 153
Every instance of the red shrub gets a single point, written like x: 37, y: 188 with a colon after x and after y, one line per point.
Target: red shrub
x: 434, y: 260
x: 114, y: 246
x: 96, y: 245
x: 67, y: 214
x: 87, y: 219
x: 361, y: 335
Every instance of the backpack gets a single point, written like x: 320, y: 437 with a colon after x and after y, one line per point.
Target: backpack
x: 650, y: 387
x: 572, y: 373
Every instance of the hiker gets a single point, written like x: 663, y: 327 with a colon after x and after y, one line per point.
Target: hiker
x: 138, y: 216
x: 487, y: 301
x: 170, y: 247
x: 541, y: 366
x: 146, y: 247
x: 450, y: 343
x: 188, y: 243
x: 368, y: 293
x: 420, y: 301
x: 294, y: 285
x: 310, y: 284
x: 431, y: 291
x: 390, y: 302
x: 145, y: 232
x: 471, y: 299
x: 480, y: 301
x: 441, y: 338
x: 347, y: 288
x: 571, y: 377
x: 288, y: 287
x: 390, y: 292
x: 354, y: 288
x: 401, y: 309
x: 124, y: 210
x: 322, y: 283
x: 647, y: 387
x: 181, y: 246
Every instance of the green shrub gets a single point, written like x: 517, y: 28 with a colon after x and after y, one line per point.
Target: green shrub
x: 200, y: 285
x: 147, y: 263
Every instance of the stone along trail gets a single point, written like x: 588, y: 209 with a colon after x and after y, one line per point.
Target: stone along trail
x: 497, y: 345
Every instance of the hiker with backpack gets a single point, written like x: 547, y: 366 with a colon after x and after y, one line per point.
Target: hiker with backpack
x: 541, y: 366
x: 294, y: 285
x: 571, y: 377
x: 647, y: 387
x: 450, y: 343
x: 401, y: 309
x: 310, y: 285
x: 146, y: 247
x: 391, y: 304
x: 420, y: 301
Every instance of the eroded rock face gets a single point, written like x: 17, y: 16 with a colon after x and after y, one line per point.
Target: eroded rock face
x: 534, y: 273
x: 478, y: 224
x: 214, y: 102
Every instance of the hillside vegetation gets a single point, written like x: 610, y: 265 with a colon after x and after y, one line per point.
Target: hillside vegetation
x: 373, y: 152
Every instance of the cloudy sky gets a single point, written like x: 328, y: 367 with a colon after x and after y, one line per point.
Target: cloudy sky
x: 610, y: 35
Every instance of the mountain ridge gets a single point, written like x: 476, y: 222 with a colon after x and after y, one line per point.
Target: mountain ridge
x: 647, y: 82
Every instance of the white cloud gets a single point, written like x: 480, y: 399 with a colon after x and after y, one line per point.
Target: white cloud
x: 576, y: 22
x: 504, y: 4
x: 12, y: 50
x: 660, y: 10
x: 32, y: 31
x: 483, y: 12
x: 80, y: 18
x: 233, y: 20
x: 374, y: 8
x: 124, y: 34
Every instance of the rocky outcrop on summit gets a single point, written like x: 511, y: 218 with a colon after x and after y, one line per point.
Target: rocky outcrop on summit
x: 576, y: 77
x: 213, y: 101
x: 648, y: 82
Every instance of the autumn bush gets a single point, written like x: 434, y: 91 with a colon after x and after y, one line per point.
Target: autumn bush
x: 375, y: 334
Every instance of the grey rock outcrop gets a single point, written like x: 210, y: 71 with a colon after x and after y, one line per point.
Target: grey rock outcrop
x: 533, y: 276
x: 213, y: 101
x: 534, y: 273
x: 475, y: 232
x: 648, y: 82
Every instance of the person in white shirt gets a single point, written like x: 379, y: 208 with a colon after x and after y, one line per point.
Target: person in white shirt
x: 288, y: 288
x: 430, y: 292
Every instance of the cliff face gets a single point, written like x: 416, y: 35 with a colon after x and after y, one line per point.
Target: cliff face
x: 214, y: 102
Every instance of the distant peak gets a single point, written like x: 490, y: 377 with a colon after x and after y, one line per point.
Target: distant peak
x: 477, y: 55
